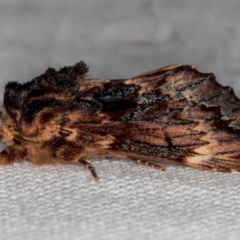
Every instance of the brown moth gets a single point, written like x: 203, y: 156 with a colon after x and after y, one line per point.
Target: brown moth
x: 175, y: 114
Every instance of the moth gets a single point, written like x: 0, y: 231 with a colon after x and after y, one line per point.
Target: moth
x: 173, y: 114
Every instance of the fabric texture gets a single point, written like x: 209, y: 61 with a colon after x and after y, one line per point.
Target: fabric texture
x: 118, y: 39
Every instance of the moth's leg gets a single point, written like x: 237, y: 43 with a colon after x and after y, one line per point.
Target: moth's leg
x: 150, y: 164
x: 11, y: 155
x: 90, y: 168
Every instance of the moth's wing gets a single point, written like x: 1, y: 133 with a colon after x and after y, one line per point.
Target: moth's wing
x: 163, y: 69
x: 221, y: 151
x: 184, y: 116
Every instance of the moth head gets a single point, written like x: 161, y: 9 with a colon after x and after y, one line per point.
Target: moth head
x: 22, y: 103
x: 7, y: 128
x: 31, y: 109
x: 10, y: 115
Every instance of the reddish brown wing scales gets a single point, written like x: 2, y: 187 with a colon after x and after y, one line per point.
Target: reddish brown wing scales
x: 174, y: 114
x: 197, y: 118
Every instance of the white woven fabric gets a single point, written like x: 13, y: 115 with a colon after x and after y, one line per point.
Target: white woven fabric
x: 129, y: 202
x: 118, y: 39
